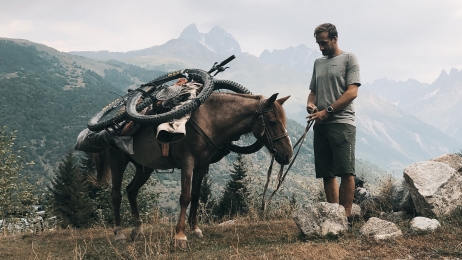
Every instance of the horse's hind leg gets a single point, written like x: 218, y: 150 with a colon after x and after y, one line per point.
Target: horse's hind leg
x: 118, y: 162
x: 195, y: 196
x: 180, y: 238
x: 141, y: 177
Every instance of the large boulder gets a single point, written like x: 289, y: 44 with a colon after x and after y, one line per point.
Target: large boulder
x: 321, y: 219
x: 453, y: 160
x: 380, y: 229
x: 424, y: 224
x: 435, y: 188
x: 401, y: 198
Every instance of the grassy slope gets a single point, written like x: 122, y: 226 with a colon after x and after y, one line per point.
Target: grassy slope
x: 248, y: 239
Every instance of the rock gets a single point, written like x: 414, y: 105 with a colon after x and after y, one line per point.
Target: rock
x: 321, y: 219
x: 227, y: 223
x: 401, y: 198
x: 355, y: 210
x: 424, y: 224
x: 369, y: 207
x: 453, y: 160
x: 380, y: 229
x: 397, y: 217
x: 361, y: 194
x: 435, y: 188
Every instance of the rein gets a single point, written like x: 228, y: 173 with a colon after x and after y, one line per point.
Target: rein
x: 281, y: 175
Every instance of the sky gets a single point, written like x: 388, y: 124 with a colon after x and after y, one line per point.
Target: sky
x: 398, y: 39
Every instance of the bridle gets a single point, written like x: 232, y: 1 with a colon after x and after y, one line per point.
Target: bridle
x: 265, y: 131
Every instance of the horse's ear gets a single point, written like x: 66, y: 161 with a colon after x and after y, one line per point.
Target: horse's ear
x: 282, y: 100
x: 272, y: 99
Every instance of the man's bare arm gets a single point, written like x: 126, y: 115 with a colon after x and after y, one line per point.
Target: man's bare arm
x: 310, y: 103
x: 346, y: 98
x: 341, y: 103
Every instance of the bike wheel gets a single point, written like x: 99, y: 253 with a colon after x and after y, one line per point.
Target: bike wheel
x: 193, y: 74
x: 115, y: 112
x: 110, y: 114
x: 220, y: 84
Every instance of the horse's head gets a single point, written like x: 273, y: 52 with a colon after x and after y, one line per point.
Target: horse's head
x: 270, y: 128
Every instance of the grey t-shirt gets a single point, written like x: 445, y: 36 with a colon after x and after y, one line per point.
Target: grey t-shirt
x: 331, y: 78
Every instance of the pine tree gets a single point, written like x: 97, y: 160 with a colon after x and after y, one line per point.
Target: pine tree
x: 70, y: 199
x: 16, y: 193
x: 235, y: 195
x: 206, y: 190
x: 100, y: 194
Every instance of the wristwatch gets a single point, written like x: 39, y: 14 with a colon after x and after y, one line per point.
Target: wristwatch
x: 330, y: 110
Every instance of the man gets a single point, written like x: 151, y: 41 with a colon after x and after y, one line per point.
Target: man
x: 334, y: 86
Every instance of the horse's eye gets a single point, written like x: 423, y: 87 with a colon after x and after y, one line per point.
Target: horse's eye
x: 272, y: 123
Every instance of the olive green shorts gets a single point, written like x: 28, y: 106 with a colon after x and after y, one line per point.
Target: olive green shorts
x: 334, y: 149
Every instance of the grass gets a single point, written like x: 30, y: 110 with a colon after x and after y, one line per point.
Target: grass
x: 255, y: 236
x: 274, y: 239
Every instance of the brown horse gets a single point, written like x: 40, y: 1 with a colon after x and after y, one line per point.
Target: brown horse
x: 223, y: 117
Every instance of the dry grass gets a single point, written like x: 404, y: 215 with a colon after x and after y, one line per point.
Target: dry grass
x: 256, y: 236
x: 245, y: 240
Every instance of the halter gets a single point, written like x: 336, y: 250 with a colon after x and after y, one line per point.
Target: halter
x: 265, y: 131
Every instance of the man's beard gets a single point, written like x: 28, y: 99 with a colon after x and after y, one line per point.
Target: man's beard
x: 329, y: 52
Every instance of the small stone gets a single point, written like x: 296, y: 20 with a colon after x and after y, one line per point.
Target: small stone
x: 380, y: 229
x: 227, y: 223
x: 321, y: 219
x: 424, y: 224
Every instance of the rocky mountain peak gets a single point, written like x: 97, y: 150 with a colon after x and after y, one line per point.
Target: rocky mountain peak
x: 217, y: 40
x: 300, y: 58
x: 191, y: 33
x: 454, y: 73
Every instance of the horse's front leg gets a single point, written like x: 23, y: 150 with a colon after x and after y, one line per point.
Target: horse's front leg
x: 198, y: 176
x: 180, y: 238
x: 141, y: 177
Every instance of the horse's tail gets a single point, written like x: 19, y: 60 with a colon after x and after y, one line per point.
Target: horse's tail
x: 103, y: 171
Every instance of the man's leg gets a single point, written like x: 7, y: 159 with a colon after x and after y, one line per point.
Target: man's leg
x: 346, y: 194
x: 331, y: 189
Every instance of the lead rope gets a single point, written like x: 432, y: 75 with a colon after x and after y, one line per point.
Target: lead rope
x: 281, y: 176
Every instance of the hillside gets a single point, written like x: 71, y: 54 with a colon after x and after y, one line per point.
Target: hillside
x: 48, y: 97
x: 437, y: 104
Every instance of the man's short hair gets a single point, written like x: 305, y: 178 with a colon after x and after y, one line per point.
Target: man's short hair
x: 326, y: 27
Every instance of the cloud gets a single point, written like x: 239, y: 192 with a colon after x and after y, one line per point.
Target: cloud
x: 394, y: 38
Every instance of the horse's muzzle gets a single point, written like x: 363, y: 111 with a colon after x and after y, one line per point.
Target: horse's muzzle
x: 284, y: 160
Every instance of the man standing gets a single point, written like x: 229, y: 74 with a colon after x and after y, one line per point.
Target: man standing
x: 334, y: 86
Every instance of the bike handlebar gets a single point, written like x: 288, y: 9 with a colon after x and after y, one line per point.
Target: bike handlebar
x: 219, y: 67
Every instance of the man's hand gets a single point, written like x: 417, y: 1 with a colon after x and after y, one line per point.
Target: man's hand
x: 311, y: 108
x: 318, y: 116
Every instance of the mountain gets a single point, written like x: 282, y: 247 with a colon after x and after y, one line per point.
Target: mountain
x: 49, y: 96
x: 217, y: 40
x: 406, y: 136
x: 300, y: 58
x: 437, y: 104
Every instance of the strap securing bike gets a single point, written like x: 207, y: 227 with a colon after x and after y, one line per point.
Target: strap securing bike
x: 146, y: 94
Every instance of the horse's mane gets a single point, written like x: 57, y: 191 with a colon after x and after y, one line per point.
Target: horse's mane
x: 279, y: 111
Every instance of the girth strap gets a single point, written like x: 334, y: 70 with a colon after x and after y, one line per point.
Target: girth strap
x: 203, y: 134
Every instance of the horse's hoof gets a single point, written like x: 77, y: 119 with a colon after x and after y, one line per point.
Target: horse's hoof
x: 180, y: 242
x: 198, y: 233
x: 135, y: 233
x: 119, y: 236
